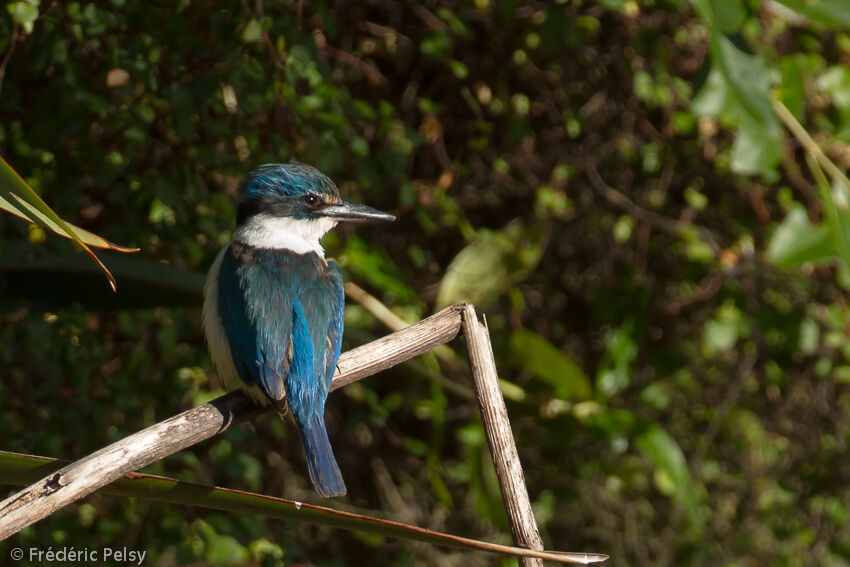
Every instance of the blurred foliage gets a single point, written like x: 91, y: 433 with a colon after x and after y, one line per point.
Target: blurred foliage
x: 607, y: 179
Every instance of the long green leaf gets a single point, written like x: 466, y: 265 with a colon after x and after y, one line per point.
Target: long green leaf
x: 23, y: 210
x: 663, y: 450
x: 17, y: 469
x: 550, y: 365
x: 19, y: 199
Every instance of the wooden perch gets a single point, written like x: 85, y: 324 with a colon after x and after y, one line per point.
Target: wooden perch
x: 500, y: 438
x: 197, y: 424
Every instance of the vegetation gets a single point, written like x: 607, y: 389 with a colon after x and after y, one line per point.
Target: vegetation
x: 610, y: 181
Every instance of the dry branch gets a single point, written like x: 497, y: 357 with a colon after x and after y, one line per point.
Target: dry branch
x: 494, y: 414
x: 82, y: 477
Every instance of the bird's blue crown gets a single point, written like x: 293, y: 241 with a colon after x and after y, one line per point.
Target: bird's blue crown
x: 294, y: 190
x: 293, y: 179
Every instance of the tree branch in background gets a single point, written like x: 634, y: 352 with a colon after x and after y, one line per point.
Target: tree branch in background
x: 655, y: 220
x: 6, y: 58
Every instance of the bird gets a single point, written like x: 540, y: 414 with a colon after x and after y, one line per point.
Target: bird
x: 273, y: 304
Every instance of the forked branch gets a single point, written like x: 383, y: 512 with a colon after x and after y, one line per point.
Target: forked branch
x: 90, y: 473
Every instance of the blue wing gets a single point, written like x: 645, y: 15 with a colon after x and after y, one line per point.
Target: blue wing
x: 256, y: 311
x: 318, y: 321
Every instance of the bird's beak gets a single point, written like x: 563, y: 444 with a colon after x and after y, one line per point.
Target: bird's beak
x: 353, y: 212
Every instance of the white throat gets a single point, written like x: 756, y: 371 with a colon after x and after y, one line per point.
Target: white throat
x: 299, y: 236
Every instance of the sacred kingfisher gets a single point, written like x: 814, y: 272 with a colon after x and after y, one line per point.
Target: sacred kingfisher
x: 273, y: 305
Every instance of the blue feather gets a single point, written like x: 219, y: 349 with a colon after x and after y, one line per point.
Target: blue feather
x: 283, y: 315
x: 289, y: 180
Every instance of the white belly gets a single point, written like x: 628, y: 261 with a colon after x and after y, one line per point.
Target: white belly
x: 217, y: 341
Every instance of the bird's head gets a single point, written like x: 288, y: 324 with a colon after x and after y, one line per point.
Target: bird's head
x: 282, y: 203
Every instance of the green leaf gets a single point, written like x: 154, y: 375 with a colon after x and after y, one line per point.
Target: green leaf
x: 756, y: 149
x: 721, y: 333
x: 834, y: 13
x: 738, y: 91
x: 797, y: 241
x: 549, y: 364
x: 747, y: 77
x: 714, y: 98
x: 614, y: 370
x: 663, y: 450
x: 253, y: 32
x: 17, y: 469
x: 19, y: 198
x: 491, y: 264
x: 730, y: 14
x: 835, y: 82
x: 24, y: 13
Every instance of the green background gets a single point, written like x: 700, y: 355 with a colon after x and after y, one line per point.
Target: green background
x: 606, y: 181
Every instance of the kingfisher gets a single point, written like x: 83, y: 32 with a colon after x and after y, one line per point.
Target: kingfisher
x: 273, y: 304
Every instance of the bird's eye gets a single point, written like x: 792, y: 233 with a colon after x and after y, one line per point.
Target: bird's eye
x: 311, y: 200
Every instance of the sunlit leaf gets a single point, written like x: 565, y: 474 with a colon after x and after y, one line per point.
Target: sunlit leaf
x: 721, y: 333
x: 738, y: 91
x: 835, y: 82
x: 19, y: 198
x: 253, y: 31
x: 797, y: 241
x: 23, y: 210
x: 756, y: 148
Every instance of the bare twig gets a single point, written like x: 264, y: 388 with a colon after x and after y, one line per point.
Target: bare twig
x: 12, y: 43
x: 384, y: 31
x: 374, y: 306
x: 494, y: 414
x: 808, y: 142
x: 374, y: 76
x: 654, y: 219
x: 80, y: 478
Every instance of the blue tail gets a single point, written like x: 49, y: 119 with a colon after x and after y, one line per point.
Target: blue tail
x: 324, y: 472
